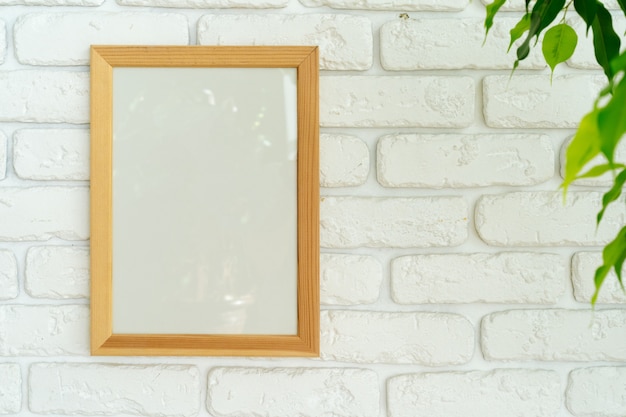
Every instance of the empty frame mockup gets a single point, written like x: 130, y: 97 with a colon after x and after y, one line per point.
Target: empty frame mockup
x: 204, y: 201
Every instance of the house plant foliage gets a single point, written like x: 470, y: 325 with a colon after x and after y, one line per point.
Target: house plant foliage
x: 600, y: 130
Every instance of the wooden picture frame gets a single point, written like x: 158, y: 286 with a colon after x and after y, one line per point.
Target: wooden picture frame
x: 110, y: 201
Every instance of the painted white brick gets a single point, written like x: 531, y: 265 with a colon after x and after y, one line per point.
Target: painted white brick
x: 349, y: 279
x: 57, y: 272
x: 431, y: 339
x: 416, y: 44
x: 597, y: 392
x: 9, y: 287
x: 518, y: 5
x: 584, y: 56
x: 371, y: 101
x: 51, y: 2
x: 509, y: 277
x: 584, y: 265
x: 555, y: 335
x: 345, y: 41
x: 497, y: 393
x: 3, y: 41
x: 529, y: 101
x: 344, y: 161
x: 40, y: 213
x: 3, y: 156
x: 437, y: 161
x: 44, y: 96
x: 105, y: 389
x: 213, y: 4
x: 51, y: 154
x: 541, y: 219
x: 605, y: 180
x: 73, y: 33
x: 408, y: 5
x: 44, y: 330
x: 282, y: 392
x: 10, y: 388
x: 349, y: 222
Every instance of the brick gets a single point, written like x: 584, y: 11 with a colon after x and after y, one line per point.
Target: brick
x: 44, y: 96
x: 251, y: 392
x: 9, y: 287
x: 44, y: 330
x: 431, y: 339
x: 529, y: 101
x: 605, y: 180
x: 419, y: 44
x: 349, y: 222
x: 3, y: 41
x: 406, y: 101
x: 584, y: 55
x: 518, y: 5
x: 41, y: 213
x: 508, y: 277
x: 51, y: 154
x: 408, y: 5
x: 51, y: 2
x: 584, y: 265
x: 457, y: 161
x: 597, y: 391
x: 104, y: 389
x: 496, y: 393
x: 3, y: 156
x: 346, y: 42
x: 344, y: 161
x: 542, y: 219
x: 10, y: 388
x: 555, y: 335
x: 213, y: 4
x: 57, y: 272
x: 73, y: 33
x: 349, y: 279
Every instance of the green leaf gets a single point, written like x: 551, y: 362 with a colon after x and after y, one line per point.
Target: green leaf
x: 558, y: 45
x: 543, y: 13
x: 492, y: 9
x: 612, y: 195
x: 583, y: 148
x: 612, y: 121
x: 622, y: 4
x: 619, y: 63
x: 606, y: 42
x: 613, y: 257
x: 601, y: 169
x: 522, y: 26
x: 587, y: 10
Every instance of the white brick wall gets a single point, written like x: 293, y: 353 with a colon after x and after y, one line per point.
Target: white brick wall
x: 104, y: 389
x: 363, y: 101
x: 508, y: 277
x: 608, y: 385
x: 51, y: 154
x: 9, y: 287
x: 555, y: 335
x: 3, y: 155
x: 249, y: 392
x: 57, y: 272
x: 10, y: 388
x: 431, y: 339
x: 453, y: 161
x: 345, y: 41
x: 453, y: 279
x: 504, y: 392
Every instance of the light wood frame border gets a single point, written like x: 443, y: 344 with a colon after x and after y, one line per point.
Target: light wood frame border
x: 305, y: 60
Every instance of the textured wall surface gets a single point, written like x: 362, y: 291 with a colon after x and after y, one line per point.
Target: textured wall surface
x: 454, y: 279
